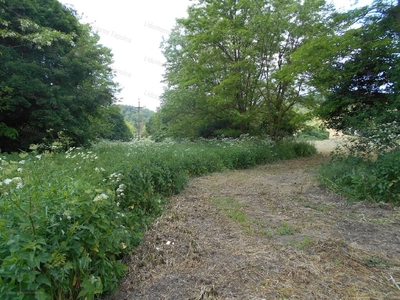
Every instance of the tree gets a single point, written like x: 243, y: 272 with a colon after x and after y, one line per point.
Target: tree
x: 362, y: 81
x: 229, y: 69
x: 116, y: 129
x: 131, y: 116
x: 54, y: 78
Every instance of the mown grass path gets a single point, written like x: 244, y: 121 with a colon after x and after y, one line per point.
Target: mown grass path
x: 270, y: 232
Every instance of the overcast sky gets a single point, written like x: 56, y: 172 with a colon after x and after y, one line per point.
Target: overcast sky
x: 134, y: 32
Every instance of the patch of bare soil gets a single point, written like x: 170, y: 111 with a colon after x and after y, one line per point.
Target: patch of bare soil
x: 271, y: 232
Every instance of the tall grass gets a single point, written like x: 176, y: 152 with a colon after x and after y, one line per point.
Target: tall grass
x: 359, y: 179
x: 67, y: 219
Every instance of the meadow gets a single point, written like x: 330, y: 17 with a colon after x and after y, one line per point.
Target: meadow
x: 68, y: 218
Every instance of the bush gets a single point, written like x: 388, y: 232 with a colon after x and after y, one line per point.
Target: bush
x: 367, y: 167
x: 386, y: 170
x: 365, y: 179
x: 67, y: 219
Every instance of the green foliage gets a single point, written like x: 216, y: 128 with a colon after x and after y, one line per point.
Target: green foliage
x: 229, y: 68
x: 373, y: 140
x: 360, y: 179
x: 68, y: 218
x: 55, y: 76
x: 313, y: 133
x: 117, y: 129
x: 361, y: 81
x: 372, y: 262
x: 131, y: 116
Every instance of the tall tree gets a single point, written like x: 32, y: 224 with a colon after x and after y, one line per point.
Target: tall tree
x: 361, y: 81
x: 54, y: 76
x: 229, y: 68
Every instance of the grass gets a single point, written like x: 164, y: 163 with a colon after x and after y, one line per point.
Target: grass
x: 68, y: 218
x: 359, y: 179
x: 303, y: 244
x: 283, y: 229
x: 233, y: 210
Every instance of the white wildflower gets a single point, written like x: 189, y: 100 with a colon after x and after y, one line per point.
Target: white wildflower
x: 7, y: 181
x: 39, y: 157
x: 100, y: 197
x: 19, y: 170
x: 22, y: 162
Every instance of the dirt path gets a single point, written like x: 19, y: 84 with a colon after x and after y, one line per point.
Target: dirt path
x: 271, y: 232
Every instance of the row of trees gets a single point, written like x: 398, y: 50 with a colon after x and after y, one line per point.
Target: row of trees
x: 233, y: 67
x: 255, y: 66
x: 55, y: 78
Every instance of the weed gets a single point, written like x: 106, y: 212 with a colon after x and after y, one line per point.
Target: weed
x: 233, y: 210
x: 317, y: 207
x: 374, y: 262
x: 304, y: 243
x: 285, y: 229
x: 68, y: 218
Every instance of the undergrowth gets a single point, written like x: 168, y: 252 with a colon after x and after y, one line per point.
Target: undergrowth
x: 67, y: 219
x: 368, y: 166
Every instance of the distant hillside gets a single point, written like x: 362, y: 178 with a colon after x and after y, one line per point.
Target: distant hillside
x: 130, y: 114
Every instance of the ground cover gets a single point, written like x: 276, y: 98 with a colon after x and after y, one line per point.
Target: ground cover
x: 68, y: 218
x: 270, y: 232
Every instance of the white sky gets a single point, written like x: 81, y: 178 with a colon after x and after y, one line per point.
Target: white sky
x: 134, y: 32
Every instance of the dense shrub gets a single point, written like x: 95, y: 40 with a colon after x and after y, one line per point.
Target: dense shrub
x: 68, y: 218
x: 365, y: 179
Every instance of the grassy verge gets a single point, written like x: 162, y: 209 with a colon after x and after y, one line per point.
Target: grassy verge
x: 67, y: 219
x: 376, y: 180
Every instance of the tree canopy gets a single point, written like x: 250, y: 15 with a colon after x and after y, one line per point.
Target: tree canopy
x: 229, y: 68
x: 54, y: 77
x: 116, y: 128
x: 361, y: 81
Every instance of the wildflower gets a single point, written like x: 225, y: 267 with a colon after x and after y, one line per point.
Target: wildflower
x: 100, y: 197
x: 19, y: 170
x: 123, y: 245
x: 67, y: 214
x: 22, y: 162
x: 7, y: 181
x: 39, y: 157
x: 117, y: 203
x: 19, y: 185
